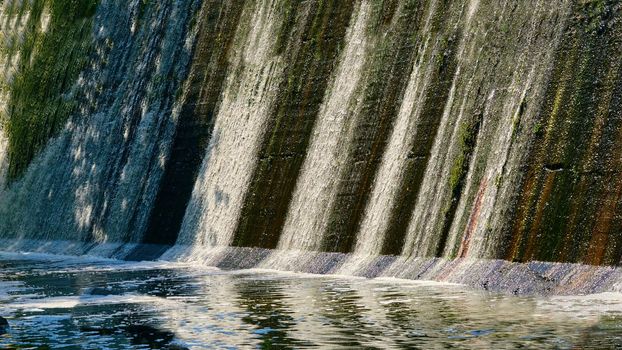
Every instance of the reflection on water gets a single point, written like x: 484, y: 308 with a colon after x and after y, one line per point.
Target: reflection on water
x: 56, y: 303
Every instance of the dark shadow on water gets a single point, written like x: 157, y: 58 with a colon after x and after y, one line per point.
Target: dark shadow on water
x: 139, y: 334
x: 147, y: 252
x: 267, y: 312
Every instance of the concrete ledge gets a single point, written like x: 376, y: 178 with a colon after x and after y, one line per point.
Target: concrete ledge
x: 533, y: 278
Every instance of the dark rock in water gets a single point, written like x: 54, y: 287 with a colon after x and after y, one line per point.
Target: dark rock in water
x: 97, y: 291
x: 140, y: 335
x: 97, y: 330
x: 176, y: 347
x: 151, y: 336
x: 4, y: 325
x: 147, y: 252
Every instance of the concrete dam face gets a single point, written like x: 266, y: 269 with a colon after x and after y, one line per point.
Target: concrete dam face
x: 473, y: 141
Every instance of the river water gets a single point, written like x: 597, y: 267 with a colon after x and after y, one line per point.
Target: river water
x: 54, y: 302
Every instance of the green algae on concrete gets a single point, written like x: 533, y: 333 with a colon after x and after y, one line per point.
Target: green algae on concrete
x: 55, y: 49
x: 568, y: 206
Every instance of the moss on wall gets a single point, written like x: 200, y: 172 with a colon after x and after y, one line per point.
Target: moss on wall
x: 569, y: 199
x: 54, y: 50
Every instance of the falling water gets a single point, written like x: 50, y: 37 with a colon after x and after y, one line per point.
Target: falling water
x: 308, y: 214
x: 385, y: 191
x: 94, y: 179
x: 240, y: 124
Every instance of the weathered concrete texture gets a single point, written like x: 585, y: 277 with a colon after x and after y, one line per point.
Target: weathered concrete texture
x: 569, y: 201
x: 533, y: 278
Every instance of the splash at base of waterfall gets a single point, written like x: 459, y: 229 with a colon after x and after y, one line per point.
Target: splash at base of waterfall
x: 532, y: 278
x: 85, y: 302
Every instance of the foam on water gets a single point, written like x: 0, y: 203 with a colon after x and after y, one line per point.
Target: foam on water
x: 40, y: 304
x: 247, y: 308
x: 539, y: 278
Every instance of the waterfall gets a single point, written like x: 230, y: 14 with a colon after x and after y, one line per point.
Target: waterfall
x: 356, y: 137
x: 241, y: 121
x: 307, y: 217
x: 385, y: 192
x: 94, y: 180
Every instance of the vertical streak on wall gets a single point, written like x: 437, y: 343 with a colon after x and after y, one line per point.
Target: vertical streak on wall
x: 519, y: 80
x: 311, y: 52
x: 598, y: 187
x: 428, y: 203
x: 440, y: 68
x: 552, y: 108
x: 389, y: 66
x: 373, y: 224
x: 256, y: 71
x: 217, y: 23
x: 609, y: 218
x: 566, y: 203
x: 314, y: 193
x: 477, y: 156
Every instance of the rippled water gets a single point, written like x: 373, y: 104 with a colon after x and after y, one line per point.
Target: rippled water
x: 74, y: 303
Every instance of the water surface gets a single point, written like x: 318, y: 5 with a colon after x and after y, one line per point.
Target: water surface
x: 78, y: 303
